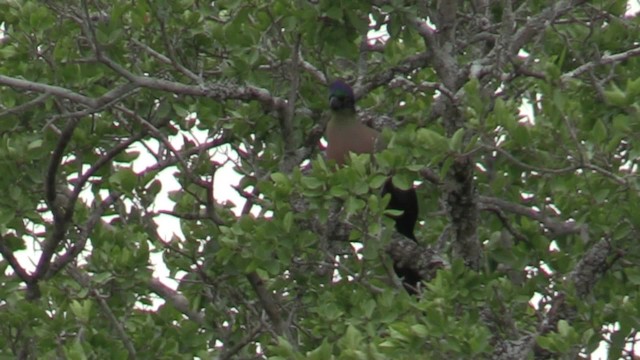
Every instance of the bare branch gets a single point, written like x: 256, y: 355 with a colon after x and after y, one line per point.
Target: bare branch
x: 27, y: 105
x: 525, y: 166
x: 556, y: 227
x: 270, y: 305
x: 535, y: 24
x: 152, y: 52
x: 7, y: 254
x: 216, y: 91
x: 57, y: 91
x: 565, y: 170
x: 48, y: 89
x: 604, y: 60
x: 408, y: 65
x: 172, y: 53
x: 408, y: 85
x: 177, y: 300
x: 426, y: 31
x: 231, y: 351
x: 172, y: 160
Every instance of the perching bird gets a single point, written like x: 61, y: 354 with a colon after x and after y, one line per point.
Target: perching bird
x: 346, y: 134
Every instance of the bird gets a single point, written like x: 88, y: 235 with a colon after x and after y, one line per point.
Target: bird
x: 346, y: 134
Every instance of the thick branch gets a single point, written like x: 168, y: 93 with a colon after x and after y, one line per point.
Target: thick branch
x: 591, y: 267
x: 270, y: 306
x: 289, y: 111
x: 57, y: 91
x: 86, y: 230
x: 176, y: 299
x: 7, y: 254
x: 217, y: 91
x: 47, y: 89
x: 462, y: 206
x: 535, y: 24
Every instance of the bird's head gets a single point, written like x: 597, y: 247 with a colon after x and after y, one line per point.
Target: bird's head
x: 341, y: 96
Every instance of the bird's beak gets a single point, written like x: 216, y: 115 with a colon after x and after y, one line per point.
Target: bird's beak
x: 334, y: 102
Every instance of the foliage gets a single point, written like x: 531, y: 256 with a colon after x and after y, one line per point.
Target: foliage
x: 518, y: 119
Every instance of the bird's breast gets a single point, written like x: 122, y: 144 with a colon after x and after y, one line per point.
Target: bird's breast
x: 341, y: 140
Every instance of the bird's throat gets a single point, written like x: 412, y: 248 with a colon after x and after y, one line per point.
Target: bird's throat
x: 344, y: 118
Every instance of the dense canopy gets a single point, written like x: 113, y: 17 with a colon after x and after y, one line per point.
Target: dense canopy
x: 516, y: 120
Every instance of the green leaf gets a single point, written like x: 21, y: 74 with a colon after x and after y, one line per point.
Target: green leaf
x: 621, y: 123
x: 180, y: 110
x: 127, y: 156
x: 6, y: 216
x: 75, y: 351
x: 154, y: 187
x: 81, y: 310
x: 456, y: 140
x: 615, y: 96
x: 35, y: 144
x: 368, y: 307
x: 432, y: 140
x: 351, y: 338
x: 335, y: 12
x: 633, y: 275
x: 312, y: 183
x: 338, y: 192
x: 402, y: 181
x: 7, y: 52
x: 353, y: 205
x: 288, y: 221
x: 377, y: 180
x: 599, y: 131
x: 124, y: 178
x: 520, y: 134
x: 280, y: 179
x: 446, y: 165
x: 322, y: 352
x: 420, y: 330
x: 563, y: 328
x: 633, y: 88
x: 546, y: 342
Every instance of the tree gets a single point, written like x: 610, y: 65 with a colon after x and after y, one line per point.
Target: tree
x: 518, y: 119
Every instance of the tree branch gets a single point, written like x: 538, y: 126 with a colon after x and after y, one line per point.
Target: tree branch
x: 27, y: 105
x: 557, y: 228
x: 604, y: 60
x: 270, y: 305
x: 47, y: 89
x: 64, y: 217
x: 7, y: 254
x: 177, y: 300
x: 535, y: 24
x: 406, y: 66
x: 289, y: 111
x: 85, y: 281
x: 76, y: 248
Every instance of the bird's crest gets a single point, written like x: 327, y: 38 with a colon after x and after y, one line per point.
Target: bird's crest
x: 341, y: 89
